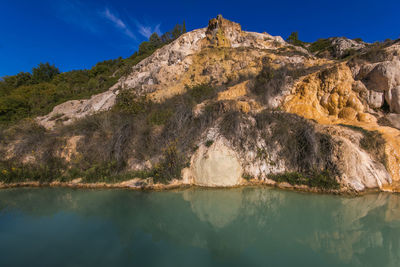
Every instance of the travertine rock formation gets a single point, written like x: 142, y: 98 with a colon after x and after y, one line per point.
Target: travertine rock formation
x: 256, y: 73
x: 217, y: 165
x: 342, y: 45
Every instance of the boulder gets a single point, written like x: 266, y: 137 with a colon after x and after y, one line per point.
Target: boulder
x: 342, y: 46
x: 384, y: 76
x: 217, y: 165
x: 359, y: 170
x: 393, y: 98
x: 375, y: 99
x: 67, y: 112
x: 394, y: 119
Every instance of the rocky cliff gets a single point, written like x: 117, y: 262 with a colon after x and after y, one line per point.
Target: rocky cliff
x: 220, y: 106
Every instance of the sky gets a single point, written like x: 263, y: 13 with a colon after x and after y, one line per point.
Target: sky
x: 76, y: 34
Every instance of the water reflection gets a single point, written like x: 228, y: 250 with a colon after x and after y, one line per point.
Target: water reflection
x: 235, y: 227
x: 218, y: 207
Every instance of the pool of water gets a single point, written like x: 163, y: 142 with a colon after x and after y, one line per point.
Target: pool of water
x: 197, y: 227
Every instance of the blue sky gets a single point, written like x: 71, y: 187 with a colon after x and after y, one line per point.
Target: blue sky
x: 76, y: 34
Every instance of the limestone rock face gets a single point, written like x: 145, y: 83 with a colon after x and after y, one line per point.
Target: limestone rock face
x: 66, y: 112
x: 394, y: 119
x: 169, y: 69
x: 342, y: 45
x: 216, y: 54
x: 338, y: 108
x: 165, y: 67
x: 256, y: 72
x: 221, y: 32
x: 359, y: 170
x: 376, y: 99
x: 380, y: 73
x: 381, y: 76
x: 384, y: 76
x: 393, y: 98
x: 217, y: 165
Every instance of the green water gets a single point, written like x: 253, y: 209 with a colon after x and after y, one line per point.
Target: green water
x: 195, y: 227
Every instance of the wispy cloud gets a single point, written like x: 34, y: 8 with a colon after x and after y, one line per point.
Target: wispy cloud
x: 147, y: 31
x: 118, y: 23
x: 93, y: 16
x: 76, y: 13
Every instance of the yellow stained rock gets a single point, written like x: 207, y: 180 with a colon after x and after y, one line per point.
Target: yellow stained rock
x: 333, y: 104
x: 234, y: 92
x: 331, y: 100
x: 355, y: 103
x: 243, y: 106
x: 348, y: 114
x: 365, y: 117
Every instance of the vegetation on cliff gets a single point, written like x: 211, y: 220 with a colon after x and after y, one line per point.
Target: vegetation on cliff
x: 27, y: 95
x: 134, y: 128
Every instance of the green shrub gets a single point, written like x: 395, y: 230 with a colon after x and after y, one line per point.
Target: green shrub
x: 271, y: 81
x: 201, y: 92
x: 319, y: 179
x: 376, y: 52
x: 14, y: 172
x: 107, y: 172
x: 170, y: 166
x: 209, y: 143
x: 159, y: 117
x: 127, y: 101
x: 349, y: 53
x: 246, y: 176
x: 358, y: 40
x: 44, y: 72
x: 294, y: 39
x: 39, y: 96
x: 320, y: 45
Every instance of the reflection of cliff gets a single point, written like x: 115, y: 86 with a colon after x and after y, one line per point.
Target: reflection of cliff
x: 350, y: 211
x: 362, y: 225
x: 232, y: 225
x: 218, y: 207
x: 392, y: 213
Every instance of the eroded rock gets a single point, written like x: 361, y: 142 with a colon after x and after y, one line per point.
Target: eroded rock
x: 67, y: 112
x: 376, y: 99
x: 342, y: 46
x: 393, y: 98
x: 217, y: 165
x: 384, y: 76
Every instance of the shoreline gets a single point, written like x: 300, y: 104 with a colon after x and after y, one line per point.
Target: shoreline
x: 180, y: 185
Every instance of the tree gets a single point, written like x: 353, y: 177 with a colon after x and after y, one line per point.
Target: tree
x: 294, y: 39
x: 166, y: 38
x: 177, y: 31
x: 155, y: 40
x: 44, y: 72
x: 144, y: 47
x: 22, y: 78
x: 8, y: 83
